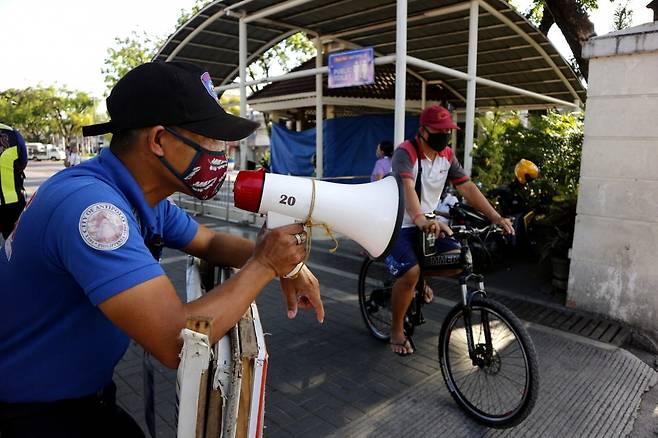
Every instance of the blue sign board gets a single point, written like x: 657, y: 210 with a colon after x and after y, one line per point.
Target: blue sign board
x: 351, y: 68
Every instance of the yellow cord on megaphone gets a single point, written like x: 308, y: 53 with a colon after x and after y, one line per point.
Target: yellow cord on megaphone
x: 309, y: 223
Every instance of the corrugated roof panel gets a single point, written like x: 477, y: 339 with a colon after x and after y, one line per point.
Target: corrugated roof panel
x: 501, y: 51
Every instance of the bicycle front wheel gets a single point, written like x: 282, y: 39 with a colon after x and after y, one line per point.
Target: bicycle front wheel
x: 498, y: 384
x: 375, y: 288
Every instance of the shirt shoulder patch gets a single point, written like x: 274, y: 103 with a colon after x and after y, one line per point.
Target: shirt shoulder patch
x: 103, y: 226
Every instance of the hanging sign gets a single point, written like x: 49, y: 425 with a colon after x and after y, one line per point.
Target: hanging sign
x: 351, y: 68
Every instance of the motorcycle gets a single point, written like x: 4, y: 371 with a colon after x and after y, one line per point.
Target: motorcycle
x: 512, y: 200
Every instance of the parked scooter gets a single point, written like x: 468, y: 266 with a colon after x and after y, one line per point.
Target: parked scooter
x: 512, y: 201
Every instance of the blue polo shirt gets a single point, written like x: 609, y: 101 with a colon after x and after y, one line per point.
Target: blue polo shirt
x: 80, y: 241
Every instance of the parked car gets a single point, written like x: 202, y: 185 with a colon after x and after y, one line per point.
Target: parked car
x: 33, y: 149
x: 50, y: 152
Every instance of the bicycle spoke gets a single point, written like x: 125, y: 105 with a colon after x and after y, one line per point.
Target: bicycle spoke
x: 497, y: 385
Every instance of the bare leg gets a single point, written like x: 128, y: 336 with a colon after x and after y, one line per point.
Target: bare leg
x: 403, y: 293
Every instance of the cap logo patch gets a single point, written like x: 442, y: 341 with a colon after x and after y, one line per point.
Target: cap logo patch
x: 210, y: 88
x: 103, y: 226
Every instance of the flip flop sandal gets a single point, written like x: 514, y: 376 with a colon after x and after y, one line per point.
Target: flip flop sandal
x: 407, y: 344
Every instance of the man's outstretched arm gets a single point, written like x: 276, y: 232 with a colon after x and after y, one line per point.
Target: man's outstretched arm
x: 223, y: 249
x: 152, y: 314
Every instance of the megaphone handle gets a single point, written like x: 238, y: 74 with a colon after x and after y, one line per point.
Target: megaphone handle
x: 275, y: 220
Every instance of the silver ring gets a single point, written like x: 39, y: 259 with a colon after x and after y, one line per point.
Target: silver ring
x: 300, y: 237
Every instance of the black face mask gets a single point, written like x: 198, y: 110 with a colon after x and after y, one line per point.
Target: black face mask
x: 436, y: 141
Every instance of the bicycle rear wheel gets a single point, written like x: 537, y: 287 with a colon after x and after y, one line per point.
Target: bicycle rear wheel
x: 498, y: 387
x: 375, y: 287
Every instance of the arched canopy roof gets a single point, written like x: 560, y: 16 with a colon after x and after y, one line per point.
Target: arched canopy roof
x: 510, y: 49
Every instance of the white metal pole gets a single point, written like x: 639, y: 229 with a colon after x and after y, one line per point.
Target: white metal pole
x: 489, y: 83
x: 242, y: 35
x: 319, y: 116
x: 470, y: 85
x: 423, y: 95
x: 400, y: 70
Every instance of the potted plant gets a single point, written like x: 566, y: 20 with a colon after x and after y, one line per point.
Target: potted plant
x: 558, y: 229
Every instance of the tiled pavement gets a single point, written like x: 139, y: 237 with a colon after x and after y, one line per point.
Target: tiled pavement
x: 332, y: 378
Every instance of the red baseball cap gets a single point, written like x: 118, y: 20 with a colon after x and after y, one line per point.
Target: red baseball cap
x: 437, y: 117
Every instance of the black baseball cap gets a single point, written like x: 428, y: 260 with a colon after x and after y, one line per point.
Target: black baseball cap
x: 170, y: 94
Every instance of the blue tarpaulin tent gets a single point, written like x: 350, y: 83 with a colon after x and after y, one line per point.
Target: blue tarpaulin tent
x: 349, y: 146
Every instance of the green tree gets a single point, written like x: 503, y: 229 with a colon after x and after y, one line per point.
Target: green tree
x: 231, y: 103
x: 41, y: 113
x: 186, y: 15
x: 488, y: 156
x: 128, y: 53
x: 287, y: 54
x: 572, y: 17
x: 553, y: 142
x: 29, y: 110
x: 71, y: 111
x: 623, y: 16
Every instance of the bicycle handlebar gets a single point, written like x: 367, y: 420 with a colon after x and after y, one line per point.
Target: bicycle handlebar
x: 468, y: 230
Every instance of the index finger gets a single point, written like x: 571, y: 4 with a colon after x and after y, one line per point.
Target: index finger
x: 316, y: 302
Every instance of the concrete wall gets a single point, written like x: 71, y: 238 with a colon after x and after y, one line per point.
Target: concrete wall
x: 614, y: 261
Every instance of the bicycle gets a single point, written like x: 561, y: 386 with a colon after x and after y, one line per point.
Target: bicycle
x: 487, y: 358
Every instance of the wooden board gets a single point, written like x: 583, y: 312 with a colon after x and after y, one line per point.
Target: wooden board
x: 203, y: 325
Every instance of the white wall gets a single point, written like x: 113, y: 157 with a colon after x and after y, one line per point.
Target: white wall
x: 614, y: 261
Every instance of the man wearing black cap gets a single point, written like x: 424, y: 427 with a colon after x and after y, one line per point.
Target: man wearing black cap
x: 80, y: 270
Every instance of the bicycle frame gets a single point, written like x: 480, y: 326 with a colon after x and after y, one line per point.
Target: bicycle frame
x: 415, y: 315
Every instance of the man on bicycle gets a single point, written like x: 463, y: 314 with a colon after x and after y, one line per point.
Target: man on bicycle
x: 438, y: 164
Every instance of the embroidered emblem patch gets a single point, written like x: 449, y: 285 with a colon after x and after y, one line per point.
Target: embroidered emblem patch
x: 210, y: 88
x: 103, y: 226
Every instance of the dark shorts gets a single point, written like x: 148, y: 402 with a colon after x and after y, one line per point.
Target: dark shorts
x: 9, y: 215
x: 96, y: 416
x: 403, y: 257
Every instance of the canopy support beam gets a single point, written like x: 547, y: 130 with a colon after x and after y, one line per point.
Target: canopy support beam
x: 470, y: 85
x: 242, y: 32
x: 273, y: 10
x: 319, y: 116
x: 400, y: 71
x: 430, y: 66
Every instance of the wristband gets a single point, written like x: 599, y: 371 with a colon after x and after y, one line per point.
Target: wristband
x: 416, y: 216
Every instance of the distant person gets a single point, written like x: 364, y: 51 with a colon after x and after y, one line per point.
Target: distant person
x: 73, y: 158
x: 383, y: 165
x: 13, y: 160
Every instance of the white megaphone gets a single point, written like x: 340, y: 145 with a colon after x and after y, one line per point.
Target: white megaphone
x: 370, y: 213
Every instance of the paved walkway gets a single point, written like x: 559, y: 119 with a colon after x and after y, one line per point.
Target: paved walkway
x: 336, y: 379
x: 586, y: 391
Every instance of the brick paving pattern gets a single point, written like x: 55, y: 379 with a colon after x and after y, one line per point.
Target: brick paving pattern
x: 336, y: 379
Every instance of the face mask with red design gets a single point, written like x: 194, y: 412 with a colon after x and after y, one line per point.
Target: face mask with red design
x: 205, y: 174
